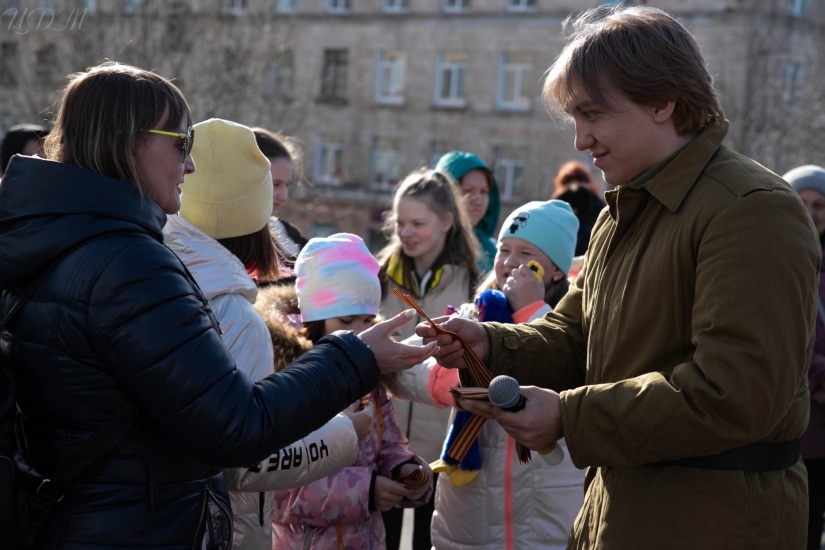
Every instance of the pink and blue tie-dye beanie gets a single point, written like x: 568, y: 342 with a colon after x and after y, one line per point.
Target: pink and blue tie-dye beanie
x: 337, y: 277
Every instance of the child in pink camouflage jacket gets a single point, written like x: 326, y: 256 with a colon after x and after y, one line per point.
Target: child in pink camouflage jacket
x: 338, y: 289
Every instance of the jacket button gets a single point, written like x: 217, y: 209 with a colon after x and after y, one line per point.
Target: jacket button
x: 511, y: 368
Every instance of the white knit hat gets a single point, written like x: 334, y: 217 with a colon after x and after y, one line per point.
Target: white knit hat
x: 230, y: 192
x: 337, y: 277
x: 807, y: 177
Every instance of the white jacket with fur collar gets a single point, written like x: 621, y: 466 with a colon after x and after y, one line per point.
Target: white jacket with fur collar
x: 231, y: 293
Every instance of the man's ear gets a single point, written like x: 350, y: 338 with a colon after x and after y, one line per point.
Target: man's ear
x: 663, y: 112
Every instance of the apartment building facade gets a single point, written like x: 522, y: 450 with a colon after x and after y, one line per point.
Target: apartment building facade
x: 377, y: 88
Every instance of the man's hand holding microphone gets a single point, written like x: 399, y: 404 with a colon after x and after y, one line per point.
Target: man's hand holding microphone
x: 538, y: 424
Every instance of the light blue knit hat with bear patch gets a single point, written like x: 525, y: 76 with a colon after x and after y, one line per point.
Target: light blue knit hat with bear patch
x: 551, y: 226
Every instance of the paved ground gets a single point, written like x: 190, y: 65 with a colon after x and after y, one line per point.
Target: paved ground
x: 406, y: 530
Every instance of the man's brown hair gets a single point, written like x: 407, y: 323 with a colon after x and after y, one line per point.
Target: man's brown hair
x: 644, y: 53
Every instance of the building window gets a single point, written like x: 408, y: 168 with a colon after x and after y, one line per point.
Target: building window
x: 449, y: 80
x: 131, y: 6
x: 521, y: 5
x: 334, y: 76
x: 794, y: 78
x: 279, y: 80
x: 234, y: 7
x: 396, y: 6
x: 384, y: 166
x: 339, y: 6
x: 8, y: 64
x: 45, y: 4
x: 329, y: 157
x: 285, y: 6
x: 797, y: 8
x: 455, y: 6
x: 511, y: 82
x: 509, y: 171
x: 46, y: 66
x: 389, y: 81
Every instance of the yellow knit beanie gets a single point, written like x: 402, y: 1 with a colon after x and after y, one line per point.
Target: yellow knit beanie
x: 230, y: 192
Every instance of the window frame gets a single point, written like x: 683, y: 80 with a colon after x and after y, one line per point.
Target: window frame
x: 385, y: 184
x: 323, y: 148
x: 338, y: 91
x: 401, y: 6
x: 793, y: 79
x: 798, y: 8
x: 507, y: 183
x: 461, y: 8
x: 396, y: 66
x: 235, y: 7
x: 455, y: 67
x: 338, y: 10
x: 280, y: 6
x: 521, y: 6
x: 504, y: 67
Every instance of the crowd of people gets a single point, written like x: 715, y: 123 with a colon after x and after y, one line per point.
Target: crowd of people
x: 183, y: 369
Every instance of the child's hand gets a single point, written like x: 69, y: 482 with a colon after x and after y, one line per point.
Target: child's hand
x: 387, y: 493
x: 361, y: 419
x: 407, y: 470
x: 522, y: 288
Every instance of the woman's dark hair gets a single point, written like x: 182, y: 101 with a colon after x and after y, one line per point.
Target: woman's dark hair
x: 257, y: 252
x: 553, y: 294
x: 16, y: 139
x: 573, y: 171
x: 434, y: 189
x: 314, y: 330
x: 103, y: 116
x: 275, y: 145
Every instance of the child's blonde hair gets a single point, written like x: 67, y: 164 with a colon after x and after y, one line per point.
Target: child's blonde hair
x: 434, y: 189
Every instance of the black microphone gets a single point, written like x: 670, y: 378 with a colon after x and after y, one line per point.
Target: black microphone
x: 505, y: 393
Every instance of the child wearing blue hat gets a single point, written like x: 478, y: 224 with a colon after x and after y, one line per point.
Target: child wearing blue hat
x: 523, y: 506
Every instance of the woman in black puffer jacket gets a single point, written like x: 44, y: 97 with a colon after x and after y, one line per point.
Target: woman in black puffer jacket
x: 118, y: 320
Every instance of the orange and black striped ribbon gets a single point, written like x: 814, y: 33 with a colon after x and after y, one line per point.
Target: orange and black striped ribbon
x: 481, y: 376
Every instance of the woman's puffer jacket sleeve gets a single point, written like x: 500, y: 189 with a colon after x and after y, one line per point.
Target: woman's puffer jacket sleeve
x: 321, y: 453
x: 174, y: 365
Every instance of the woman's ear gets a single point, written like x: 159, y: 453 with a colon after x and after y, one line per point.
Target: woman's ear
x: 446, y: 223
x: 553, y: 275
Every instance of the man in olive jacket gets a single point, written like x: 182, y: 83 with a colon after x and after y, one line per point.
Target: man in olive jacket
x: 680, y: 352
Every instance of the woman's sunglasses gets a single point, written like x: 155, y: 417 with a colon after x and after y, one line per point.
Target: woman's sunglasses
x: 188, y: 139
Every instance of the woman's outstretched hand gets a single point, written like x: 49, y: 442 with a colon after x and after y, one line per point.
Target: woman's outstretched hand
x: 390, y: 355
x: 451, y: 352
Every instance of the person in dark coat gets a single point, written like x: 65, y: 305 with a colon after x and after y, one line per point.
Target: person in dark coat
x: 809, y: 182
x: 576, y: 186
x: 118, y: 320
x: 23, y: 139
